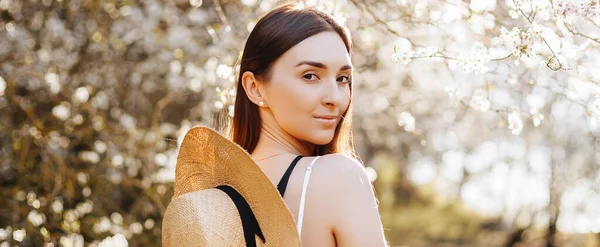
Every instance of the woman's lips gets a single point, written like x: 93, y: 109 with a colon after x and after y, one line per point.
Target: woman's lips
x: 326, y: 121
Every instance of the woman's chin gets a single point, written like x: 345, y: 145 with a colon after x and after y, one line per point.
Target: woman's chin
x: 322, y: 139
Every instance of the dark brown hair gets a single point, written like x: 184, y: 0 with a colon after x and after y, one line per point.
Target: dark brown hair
x: 273, y: 35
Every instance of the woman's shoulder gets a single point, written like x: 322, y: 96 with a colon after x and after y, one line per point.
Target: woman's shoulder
x: 344, y: 166
x: 347, y: 200
x: 341, y: 177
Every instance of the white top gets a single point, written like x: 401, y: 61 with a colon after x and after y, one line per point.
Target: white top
x: 303, y: 197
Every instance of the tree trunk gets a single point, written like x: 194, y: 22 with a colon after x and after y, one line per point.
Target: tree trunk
x: 515, y: 237
x: 551, y: 235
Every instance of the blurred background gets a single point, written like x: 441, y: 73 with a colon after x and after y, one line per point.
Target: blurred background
x: 478, y: 121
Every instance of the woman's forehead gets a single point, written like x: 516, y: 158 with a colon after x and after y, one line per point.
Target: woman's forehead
x: 327, y: 48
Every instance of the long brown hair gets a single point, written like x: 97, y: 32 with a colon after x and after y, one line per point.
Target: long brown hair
x: 274, y: 34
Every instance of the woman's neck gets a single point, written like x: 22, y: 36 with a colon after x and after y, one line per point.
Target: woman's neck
x: 273, y: 140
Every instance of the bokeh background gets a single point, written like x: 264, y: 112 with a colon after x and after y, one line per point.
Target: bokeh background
x: 477, y: 120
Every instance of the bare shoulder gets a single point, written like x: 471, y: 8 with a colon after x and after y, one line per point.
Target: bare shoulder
x: 340, y: 175
x: 348, y: 200
x: 342, y: 165
x: 336, y: 173
x: 337, y: 179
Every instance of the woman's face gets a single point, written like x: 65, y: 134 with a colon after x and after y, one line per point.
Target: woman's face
x: 309, y: 88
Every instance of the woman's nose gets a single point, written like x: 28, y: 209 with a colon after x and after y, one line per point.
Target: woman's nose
x: 332, y: 93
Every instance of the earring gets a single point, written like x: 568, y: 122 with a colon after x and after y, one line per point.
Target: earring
x: 261, y: 103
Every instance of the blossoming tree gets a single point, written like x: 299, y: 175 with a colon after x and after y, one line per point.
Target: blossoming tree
x: 493, y: 103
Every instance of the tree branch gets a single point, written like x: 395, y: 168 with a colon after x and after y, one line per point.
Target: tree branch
x: 573, y: 31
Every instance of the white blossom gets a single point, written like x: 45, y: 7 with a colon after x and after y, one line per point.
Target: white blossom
x: 4, y: 233
x: 175, y: 68
x: 19, y: 235
x: 580, y: 8
x: 35, y: 204
x: 511, y: 38
x: 535, y: 102
x: 117, y: 160
x: 403, y: 58
x: 403, y: 52
x: 128, y: 121
x: 407, y: 120
x: 475, y: 61
x: 224, y: 71
x: 218, y: 105
x: 116, y: 218
x: 62, y: 111
x: 196, y: 3
x: 52, y: 80
x: 117, y: 240
x: 71, y: 215
x: 513, y: 14
x: 535, y: 30
x: 100, y: 146
x: 594, y: 107
x: 528, y: 39
x: 100, y: 101
x: 161, y: 159
x: 149, y: 224
x: 451, y: 90
x: 89, y: 156
x: 57, y: 206
x: 85, y: 207
x: 231, y: 110
x: 2, y: 86
x: 125, y: 10
x: 71, y: 240
x: 81, y: 95
x: 537, y: 119
x: 36, y: 218
x: 480, y: 23
x: 136, y: 228
x: 77, y: 119
x: 164, y: 175
x: 426, y: 51
x: 482, y: 5
x: 515, y: 123
x: 480, y: 101
x: 249, y: 2
x: 102, y: 226
x: 195, y: 84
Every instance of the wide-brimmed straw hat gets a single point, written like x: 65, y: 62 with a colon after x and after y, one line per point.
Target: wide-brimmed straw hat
x: 217, y: 187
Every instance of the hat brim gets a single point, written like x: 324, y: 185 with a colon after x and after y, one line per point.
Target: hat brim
x: 206, y: 159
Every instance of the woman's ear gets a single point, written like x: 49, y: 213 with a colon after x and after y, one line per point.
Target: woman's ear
x: 252, y: 87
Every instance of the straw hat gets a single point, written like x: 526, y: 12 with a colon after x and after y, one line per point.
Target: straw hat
x: 214, y: 178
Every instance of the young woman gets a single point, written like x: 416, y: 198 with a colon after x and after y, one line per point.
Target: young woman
x: 293, y: 114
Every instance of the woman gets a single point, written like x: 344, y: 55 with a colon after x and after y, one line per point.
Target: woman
x: 293, y: 106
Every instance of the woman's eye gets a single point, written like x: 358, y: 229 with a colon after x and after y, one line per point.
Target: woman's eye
x: 310, y: 77
x: 344, y: 79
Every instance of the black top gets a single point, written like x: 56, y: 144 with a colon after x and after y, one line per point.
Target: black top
x: 284, y: 180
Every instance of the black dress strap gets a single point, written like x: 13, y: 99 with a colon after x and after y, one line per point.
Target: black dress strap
x: 284, y: 180
x: 249, y: 222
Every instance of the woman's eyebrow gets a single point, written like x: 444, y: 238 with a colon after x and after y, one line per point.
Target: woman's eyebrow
x: 321, y: 65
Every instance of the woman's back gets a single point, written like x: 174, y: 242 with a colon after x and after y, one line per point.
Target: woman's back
x: 340, y: 208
